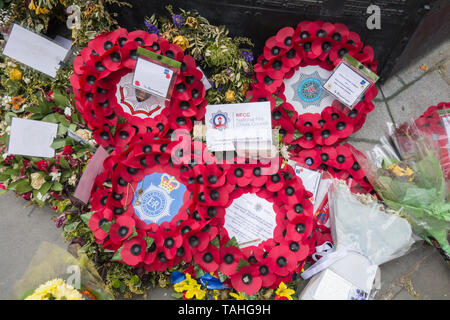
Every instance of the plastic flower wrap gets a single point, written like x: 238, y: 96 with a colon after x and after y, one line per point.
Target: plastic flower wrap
x: 365, y: 235
x: 406, y: 173
x: 55, y: 274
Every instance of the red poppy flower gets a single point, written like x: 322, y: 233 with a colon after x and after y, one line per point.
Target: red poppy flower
x: 309, y: 158
x: 344, y: 158
x: 229, y: 259
x: 267, y: 276
x: 122, y: 229
x: 247, y: 280
x: 97, y: 220
x: 299, y: 227
x: 303, y: 207
x: 282, y: 260
x: 133, y: 251
x: 208, y: 259
x: 169, y: 239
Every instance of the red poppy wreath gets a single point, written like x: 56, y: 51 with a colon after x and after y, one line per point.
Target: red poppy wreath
x: 102, y: 84
x: 145, y: 203
x: 267, y: 229
x: 294, y: 66
x: 431, y: 124
x: 337, y: 160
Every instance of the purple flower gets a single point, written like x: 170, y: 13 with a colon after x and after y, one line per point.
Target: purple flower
x: 60, y: 220
x: 177, y: 20
x: 247, y: 55
x: 151, y: 27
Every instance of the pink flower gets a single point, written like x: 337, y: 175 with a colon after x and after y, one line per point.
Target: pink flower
x: 9, y: 159
x: 26, y: 163
x: 2, y: 186
x: 27, y: 196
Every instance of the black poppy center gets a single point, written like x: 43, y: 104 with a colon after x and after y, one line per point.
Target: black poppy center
x: 247, y: 278
x: 123, y: 231
x: 275, y: 178
x: 340, y: 159
x: 325, y: 134
x: 275, y: 51
x: 309, y: 161
x: 208, y: 257
x: 135, y: 249
x: 212, y: 179
x: 281, y: 262
x: 300, y: 227
x: 228, y: 258
x: 289, y: 191
x: 341, y: 126
x: 294, y: 246
x: 169, y: 242
x: 238, y: 172
x: 263, y: 270
x: 298, y: 208
x: 257, y: 172
x: 194, y: 241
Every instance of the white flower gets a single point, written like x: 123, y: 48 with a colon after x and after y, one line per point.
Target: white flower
x: 73, y: 180
x: 68, y: 111
x: 55, y: 175
x: 41, y: 197
x: 26, y: 80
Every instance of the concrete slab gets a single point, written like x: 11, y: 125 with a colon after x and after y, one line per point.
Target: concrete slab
x: 433, y: 57
x: 22, y: 230
x: 412, y: 102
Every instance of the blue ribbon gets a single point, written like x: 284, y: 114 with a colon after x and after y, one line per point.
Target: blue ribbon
x: 211, y: 282
x: 207, y: 280
x: 176, y: 277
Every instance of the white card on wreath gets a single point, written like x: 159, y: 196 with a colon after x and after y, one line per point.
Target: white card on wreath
x: 231, y: 127
x: 346, y: 84
x: 152, y: 78
x: 34, y: 50
x: 32, y: 138
x: 311, y: 180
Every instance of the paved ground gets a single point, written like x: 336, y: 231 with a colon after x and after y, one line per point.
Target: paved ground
x: 422, y: 274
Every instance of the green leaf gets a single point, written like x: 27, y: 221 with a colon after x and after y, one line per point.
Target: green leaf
x: 242, y: 263
x: 45, y: 187
x: 21, y: 186
x: 50, y: 118
x: 278, y: 101
x: 117, y: 256
x: 149, y: 241
x: 133, y: 234
x: 297, y: 135
x: 60, y: 99
x: 289, y: 112
x: 57, y: 186
x: 58, y: 143
x: 71, y: 226
x: 62, y: 130
x: 86, y: 217
x: 106, y: 226
x: 222, y: 277
x: 232, y: 242
x: 199, y: 272
x: 215, y: 242
x: 178, y: 295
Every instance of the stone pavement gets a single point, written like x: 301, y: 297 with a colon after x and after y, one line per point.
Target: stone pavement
x: 421, y: 274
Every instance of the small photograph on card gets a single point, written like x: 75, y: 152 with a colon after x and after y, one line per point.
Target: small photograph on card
x: 155, y: 74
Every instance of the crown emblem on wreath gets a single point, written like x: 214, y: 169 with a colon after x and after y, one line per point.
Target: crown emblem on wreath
x: 168, y: 183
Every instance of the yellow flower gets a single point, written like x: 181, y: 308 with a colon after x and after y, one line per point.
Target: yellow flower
x: 55, y: 289
x: 37, y: 180
x: 185, y: 284
x: 230, y: 96
x: 181, y: 41
x: 244, y: 88
x: 17, y: 102
x: 195, y: 291
x: 45, y: 11
x: 284, y: 291
x: 192, y: 22
x: 32, y: 6
x: 84, y: 134
x: 238, y: 296
x: 15, y: 74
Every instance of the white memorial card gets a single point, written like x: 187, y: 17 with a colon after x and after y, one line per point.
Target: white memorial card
x: 152, y: 78
x: 241, y: 126
x: 250, y: 219
x: 34, y: 50
x: 446, y: 121
x: 346, y: 84
x: 205, y: 80
x: 32, y: 138
x: 311, y: 180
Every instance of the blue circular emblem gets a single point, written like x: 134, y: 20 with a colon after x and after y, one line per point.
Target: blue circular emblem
x: 310, y: 90
x: 220, y: 121
x: 154, y: 203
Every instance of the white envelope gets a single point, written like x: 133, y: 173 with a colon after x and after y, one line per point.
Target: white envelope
x: 32, y: 138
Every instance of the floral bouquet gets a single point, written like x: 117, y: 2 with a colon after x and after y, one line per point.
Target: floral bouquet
x: 406, y: 173
x: 55, y: 274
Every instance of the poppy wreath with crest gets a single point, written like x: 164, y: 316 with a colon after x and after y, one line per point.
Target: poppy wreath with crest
x: 111, y: 57
x: 339, y: 161
x: 118, y: 224
x: 250, y: 268
x: 318, y: 46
